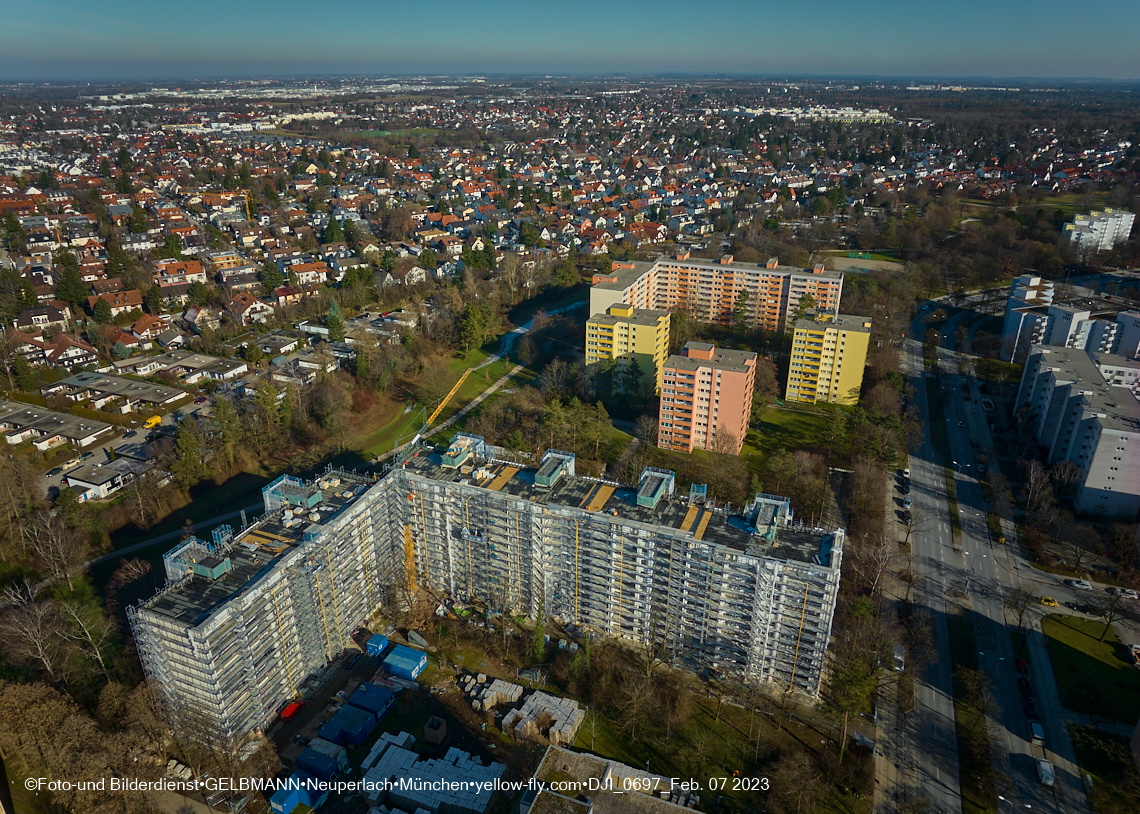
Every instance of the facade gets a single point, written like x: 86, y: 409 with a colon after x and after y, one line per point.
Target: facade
x: 829, y: 353
x: 1024, y: 319
x: 1098, y: 231
x: 722, y: 292
x: 245, y: 619
x: 1083, y: 408
x: 626, y: 334
x: 706, y: 398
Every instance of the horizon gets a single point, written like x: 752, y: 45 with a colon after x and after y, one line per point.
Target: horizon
x: 883, y: 40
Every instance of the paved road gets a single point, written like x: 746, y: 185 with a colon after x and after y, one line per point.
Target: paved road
x: 974, y: 582
x: 920, y: 751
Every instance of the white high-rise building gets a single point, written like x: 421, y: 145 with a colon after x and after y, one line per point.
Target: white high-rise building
x: 1099, y: 231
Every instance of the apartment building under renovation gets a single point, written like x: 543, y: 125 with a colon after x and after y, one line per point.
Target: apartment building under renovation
x: 743, y: 591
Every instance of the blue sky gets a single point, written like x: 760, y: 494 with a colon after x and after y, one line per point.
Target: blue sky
x: 130, y: 39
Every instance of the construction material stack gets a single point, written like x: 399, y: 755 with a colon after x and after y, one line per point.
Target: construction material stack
x: 487, y: 696
x: 545, y: 716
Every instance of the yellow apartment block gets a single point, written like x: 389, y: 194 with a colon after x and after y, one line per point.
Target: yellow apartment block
x: 829, y: 352
x: 625, y: 333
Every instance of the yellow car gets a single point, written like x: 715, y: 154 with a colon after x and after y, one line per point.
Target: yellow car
x: 1048, y: 601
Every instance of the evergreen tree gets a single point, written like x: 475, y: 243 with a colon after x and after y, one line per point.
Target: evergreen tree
x: 26, y: 378
x: 138, y: 221
x: 154, y: 300
x: 335, y: 323
x: 334, y: 232
x: 189, y: 465
x: 120, y: 350
x: 198, y: 293
x: 270, y: 276
x: 413, y: 152
x: 70, y: 288
x: 538, y: 639
x: 102, y: 312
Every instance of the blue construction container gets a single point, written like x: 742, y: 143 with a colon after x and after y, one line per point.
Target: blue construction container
x: 308, y: 792
x: 372, y: 698
x: 406, y: 663
x: 318, y: 765
x: 284, y: 800
x: 349, y: 726
x: 377, y: 644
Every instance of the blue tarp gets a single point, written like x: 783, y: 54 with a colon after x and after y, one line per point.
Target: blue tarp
x: 377, y: 644
x: 405, y: 662
x: 372, y: 698
x: 317, y: 765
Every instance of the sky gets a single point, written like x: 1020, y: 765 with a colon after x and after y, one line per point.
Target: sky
x: 71, y: 40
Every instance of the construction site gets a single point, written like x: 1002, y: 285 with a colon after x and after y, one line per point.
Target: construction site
x: 245, y: 619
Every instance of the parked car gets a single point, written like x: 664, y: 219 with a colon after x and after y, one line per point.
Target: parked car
x: 351, y: 659
x: 981, y: 468
x: 1127, y: 593
x: 53, y: 472
x: 87, y: 456
x: 906, y: 473
x: 1079, y: 584
x: 292, y: 709
x: 961, y: 423
x: 1045, y: 773
x: 906, y: 502
x: 1025, y: 686
x: 1022, y: 665
x: 130, y: 434
x: 906, y: 488
x: 1029, y: 706
x: 1036, y: 734
x: 1048, y: 601
x: 200, y: 400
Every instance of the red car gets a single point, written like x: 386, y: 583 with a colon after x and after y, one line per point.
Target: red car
x: 1022, y: 666
x: 200, y: 400
x: 292, y: 710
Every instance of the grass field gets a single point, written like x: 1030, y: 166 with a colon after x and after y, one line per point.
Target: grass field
x: 784, y: 427
x: 1093, y: 677
x: 1107, y: 758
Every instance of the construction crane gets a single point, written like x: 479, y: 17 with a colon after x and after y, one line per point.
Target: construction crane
x: 447, y: 398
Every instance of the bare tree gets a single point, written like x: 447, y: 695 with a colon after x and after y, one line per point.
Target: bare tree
x: 1018, y: 601
x: 1036, y: 485
x: 60, y: 548
x: 32, y: 629
x: 873, y: 557
x: 916, y: 523
x: 646, y: 430
x: 1124, y: 542
x: 89, y: 630
x: 1112, y: 606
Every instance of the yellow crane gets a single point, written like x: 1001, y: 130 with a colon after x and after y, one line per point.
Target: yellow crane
x: 448, y: 397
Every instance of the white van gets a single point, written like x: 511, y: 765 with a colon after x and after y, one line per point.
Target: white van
x: 900, y: 658
x: 1036, y: 734
x: 1045, y: 773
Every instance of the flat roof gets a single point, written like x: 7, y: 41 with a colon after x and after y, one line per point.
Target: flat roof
x: 256, y: 551
x: 730, y: 530
x: 115, y: 386
x: 560, y: 765
x: 49, y: 422
x: 640, y: 316
x: 723, y: 359
x: 625, y: 277
x: 1114, y: 405
x: 844, y: 322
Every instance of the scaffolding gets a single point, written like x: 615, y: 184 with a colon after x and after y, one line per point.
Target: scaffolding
x: 746, y: 593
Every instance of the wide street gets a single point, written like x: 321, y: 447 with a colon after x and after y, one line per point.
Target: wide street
x: 919, y: 755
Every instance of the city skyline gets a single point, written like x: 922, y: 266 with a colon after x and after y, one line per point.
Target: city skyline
x: 887, y: 39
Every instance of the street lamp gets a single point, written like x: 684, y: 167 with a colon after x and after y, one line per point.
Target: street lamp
x: 1026, y: 805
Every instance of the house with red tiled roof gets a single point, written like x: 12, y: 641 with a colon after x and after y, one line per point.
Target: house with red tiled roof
x: 150, y: 326
x: 247, y: 309
x: 121, y: 302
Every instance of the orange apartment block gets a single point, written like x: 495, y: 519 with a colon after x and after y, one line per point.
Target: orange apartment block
x: 710, y: 290
x: 706, y: 395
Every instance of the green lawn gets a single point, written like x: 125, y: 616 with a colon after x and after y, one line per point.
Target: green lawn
x: 381, y: 441
x: 1093, y: 677
x: 786, y: 427
x: 1107, y: 758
